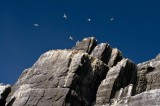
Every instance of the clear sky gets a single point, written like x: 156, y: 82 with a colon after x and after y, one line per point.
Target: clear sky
x: 135, y: 29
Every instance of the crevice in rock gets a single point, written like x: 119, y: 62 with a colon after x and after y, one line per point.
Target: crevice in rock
x: 92, y: 45
x: 102, y: 52
x: 86, y: 81
x: 4, y: 92
x: 115, y: 57
x: 11, y: 102
x: 150, y: 69
x: 40, y: 98
x: 124, y: 80
x: 141, y: 80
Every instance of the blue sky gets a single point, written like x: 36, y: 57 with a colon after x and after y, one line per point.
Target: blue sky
x: 135, y: 29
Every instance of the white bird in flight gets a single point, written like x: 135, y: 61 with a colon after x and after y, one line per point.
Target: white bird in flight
x: 65, y: 16
x: 36, y: 25
x: 89, y: 19
x: 71, y: 38
x: 112, y: 19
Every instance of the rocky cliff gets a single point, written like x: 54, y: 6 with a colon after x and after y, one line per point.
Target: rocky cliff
x: 89, y: 74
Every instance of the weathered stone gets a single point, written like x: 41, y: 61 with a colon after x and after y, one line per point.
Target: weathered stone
x: 57, y: 77
x: 102, y: 52
x: 146, y: 91
x: 148, y: 75
x: 117, y: 83
x: 4, y: 91
x: 86, y: 75
x: 87, y: 79
x: 147, y: 98
x: 115, y: 57
x: 87, y: 44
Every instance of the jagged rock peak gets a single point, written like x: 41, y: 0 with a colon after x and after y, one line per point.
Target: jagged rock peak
x: 67, y: 77
x: 87, y: 44
x: 89, y: 74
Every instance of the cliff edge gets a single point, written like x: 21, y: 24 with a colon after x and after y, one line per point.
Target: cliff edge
x: 89, y: 74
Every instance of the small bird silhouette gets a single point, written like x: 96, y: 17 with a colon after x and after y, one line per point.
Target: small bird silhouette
x: 89, y: 19
x: 36, y: 25
x: 70, y: 37
x: 65, y: 16
x: 112, y: 19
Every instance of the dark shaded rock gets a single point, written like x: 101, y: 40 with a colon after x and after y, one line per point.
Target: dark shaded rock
x: 87, y: 80
x: 4, y: 91
x: 118, y: 83
x: 115, y: 57
x: 108, y: 55
x: 102, y: 52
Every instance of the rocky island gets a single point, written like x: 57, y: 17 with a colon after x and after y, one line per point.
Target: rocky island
x: 89, y: 74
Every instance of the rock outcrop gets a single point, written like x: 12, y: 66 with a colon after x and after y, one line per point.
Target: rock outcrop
x: 118, y: 83
x: 89, y: 74
x: 148, y: 74
x: 4, y: 91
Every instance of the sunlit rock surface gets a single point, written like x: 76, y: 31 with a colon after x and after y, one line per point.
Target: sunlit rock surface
x: 89, y: 74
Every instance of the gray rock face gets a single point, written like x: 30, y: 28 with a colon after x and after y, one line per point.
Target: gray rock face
x: 147, y: 98
x: 148, y: 75
x: 87, y: 45
x: 108, y: 55
x: 87, y: 75
x: 117, y: 84
x: 60, y: 77
x: 4, y: 91
x: 102, y: 52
